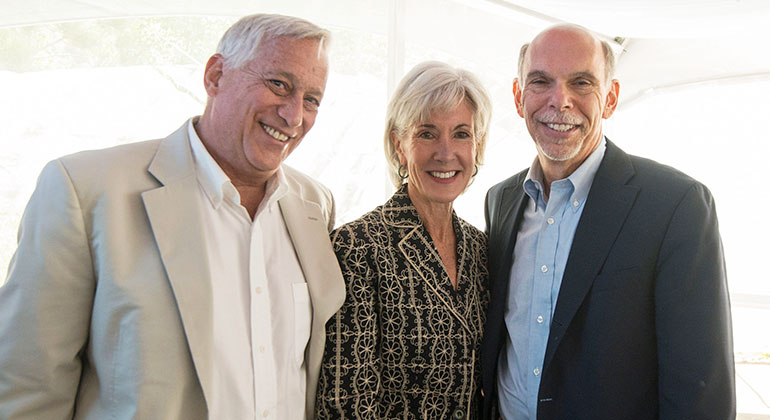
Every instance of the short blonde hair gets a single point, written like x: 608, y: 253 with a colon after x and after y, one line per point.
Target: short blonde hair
x: 434, y: 86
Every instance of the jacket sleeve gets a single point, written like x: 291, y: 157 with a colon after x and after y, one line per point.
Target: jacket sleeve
x: 349, y: 380
x: 693, y: 326
x: 45, y: 304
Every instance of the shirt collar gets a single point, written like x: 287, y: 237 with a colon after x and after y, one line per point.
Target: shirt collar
x: 584, y: 175
x: 581, y: 179
x: 217, y: 185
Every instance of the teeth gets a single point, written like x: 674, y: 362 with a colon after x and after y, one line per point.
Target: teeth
x: 275, y: 133
x: 560, y: 127
x: 444, y: 175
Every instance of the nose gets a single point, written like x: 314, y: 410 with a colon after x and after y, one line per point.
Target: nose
x: 291, y: 111
x: 560, y: 98
x: 444, y: 149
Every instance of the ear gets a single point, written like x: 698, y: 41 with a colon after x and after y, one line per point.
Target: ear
x: 517, y: 97
x: 398, y: 145
x: 612, y: 99
x: 213, y: 73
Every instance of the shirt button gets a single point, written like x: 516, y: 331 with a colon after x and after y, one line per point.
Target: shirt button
x: 550, y: 220
x: 258, y: 290
x: 544, y: 269
x: 261, y: 349
x: 265, y: 413
x: 536, y: 372
x: 576, y: 203
x: 539, y: 319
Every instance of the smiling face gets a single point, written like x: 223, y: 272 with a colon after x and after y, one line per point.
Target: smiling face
x: 256, y: 115
x: 439, y: 155
x: 564, y: 95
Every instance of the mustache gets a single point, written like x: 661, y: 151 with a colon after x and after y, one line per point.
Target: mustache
x: 557, y: 117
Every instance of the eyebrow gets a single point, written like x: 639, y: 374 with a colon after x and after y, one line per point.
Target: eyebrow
x: 434, y: 126
x: 537, y: 73
x: 584, y: 74
x: 579, y: 74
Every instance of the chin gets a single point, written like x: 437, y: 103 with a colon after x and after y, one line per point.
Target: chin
x: 444, y: 198
x: 558, y: 154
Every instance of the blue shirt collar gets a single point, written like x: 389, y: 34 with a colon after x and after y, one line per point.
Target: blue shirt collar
x: 580, y: 180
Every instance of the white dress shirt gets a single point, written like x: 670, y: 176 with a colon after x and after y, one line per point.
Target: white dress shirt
x: 261, y: 304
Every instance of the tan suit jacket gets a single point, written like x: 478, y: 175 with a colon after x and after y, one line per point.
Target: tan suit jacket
x: 106, y: 312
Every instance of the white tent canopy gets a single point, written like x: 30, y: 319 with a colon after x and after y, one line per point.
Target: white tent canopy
x: 661, y: 44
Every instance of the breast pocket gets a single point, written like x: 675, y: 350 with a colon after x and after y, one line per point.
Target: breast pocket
x: 302, y: 319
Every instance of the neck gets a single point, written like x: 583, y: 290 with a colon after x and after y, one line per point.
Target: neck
x: 250, y: 186
x: 251, y: 197
x: 436, y: 217
x: 554, y: 171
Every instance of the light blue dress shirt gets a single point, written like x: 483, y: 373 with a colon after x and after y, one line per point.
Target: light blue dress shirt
x: 540, y: 254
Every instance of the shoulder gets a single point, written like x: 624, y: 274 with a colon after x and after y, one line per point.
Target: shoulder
x: 644, y: 173
x: 660, y: 187
x: 114, y: 158
x: 358, y: 244
x: 362, y: 230
x: 473, y: 232
x: 651, y: 171
x: 494, y: 198
x: 663, y: 182
x: 495, y: 194
x: 116, y: 168
x: 475, y: 241
x: 306, y: 187
x: 515, y: 180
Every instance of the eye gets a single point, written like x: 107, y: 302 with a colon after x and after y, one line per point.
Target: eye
x: 463, y: 135
x: 425, y: 135
x: 278, y: 86
x: 312, y: 103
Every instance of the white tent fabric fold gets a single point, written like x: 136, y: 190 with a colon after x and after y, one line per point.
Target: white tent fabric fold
x: 663, y: 43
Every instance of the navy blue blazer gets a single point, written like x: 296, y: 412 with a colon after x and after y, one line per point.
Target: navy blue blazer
x: 641, y: 328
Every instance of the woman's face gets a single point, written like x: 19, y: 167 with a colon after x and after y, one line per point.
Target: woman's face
x: 439, y: 155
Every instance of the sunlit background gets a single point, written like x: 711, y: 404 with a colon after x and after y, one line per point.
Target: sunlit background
x: 694, y: 76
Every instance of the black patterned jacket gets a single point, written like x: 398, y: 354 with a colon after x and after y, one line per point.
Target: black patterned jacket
x: 405, y: 344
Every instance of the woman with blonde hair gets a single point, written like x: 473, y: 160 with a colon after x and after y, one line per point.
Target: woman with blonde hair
x: 405, y: 343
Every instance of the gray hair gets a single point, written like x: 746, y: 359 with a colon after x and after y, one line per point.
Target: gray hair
x: 434, y: 86
x: 609, y: 56
x: 241, y: 41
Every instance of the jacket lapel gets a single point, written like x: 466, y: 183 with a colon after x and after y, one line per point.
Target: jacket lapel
x: 420, y: 253
x: 504, y: 219
x: 509, y: 219
x: 310, y: 237
x: 174, y: 218
x: 607, y: 207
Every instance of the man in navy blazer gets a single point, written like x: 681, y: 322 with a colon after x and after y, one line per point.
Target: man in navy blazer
x: 609, y: 296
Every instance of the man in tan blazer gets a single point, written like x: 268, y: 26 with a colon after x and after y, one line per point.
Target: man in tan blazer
x: 136, y: 292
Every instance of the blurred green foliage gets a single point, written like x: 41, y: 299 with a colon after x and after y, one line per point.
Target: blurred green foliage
x: 177, y: 40
x: 111, y: 43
